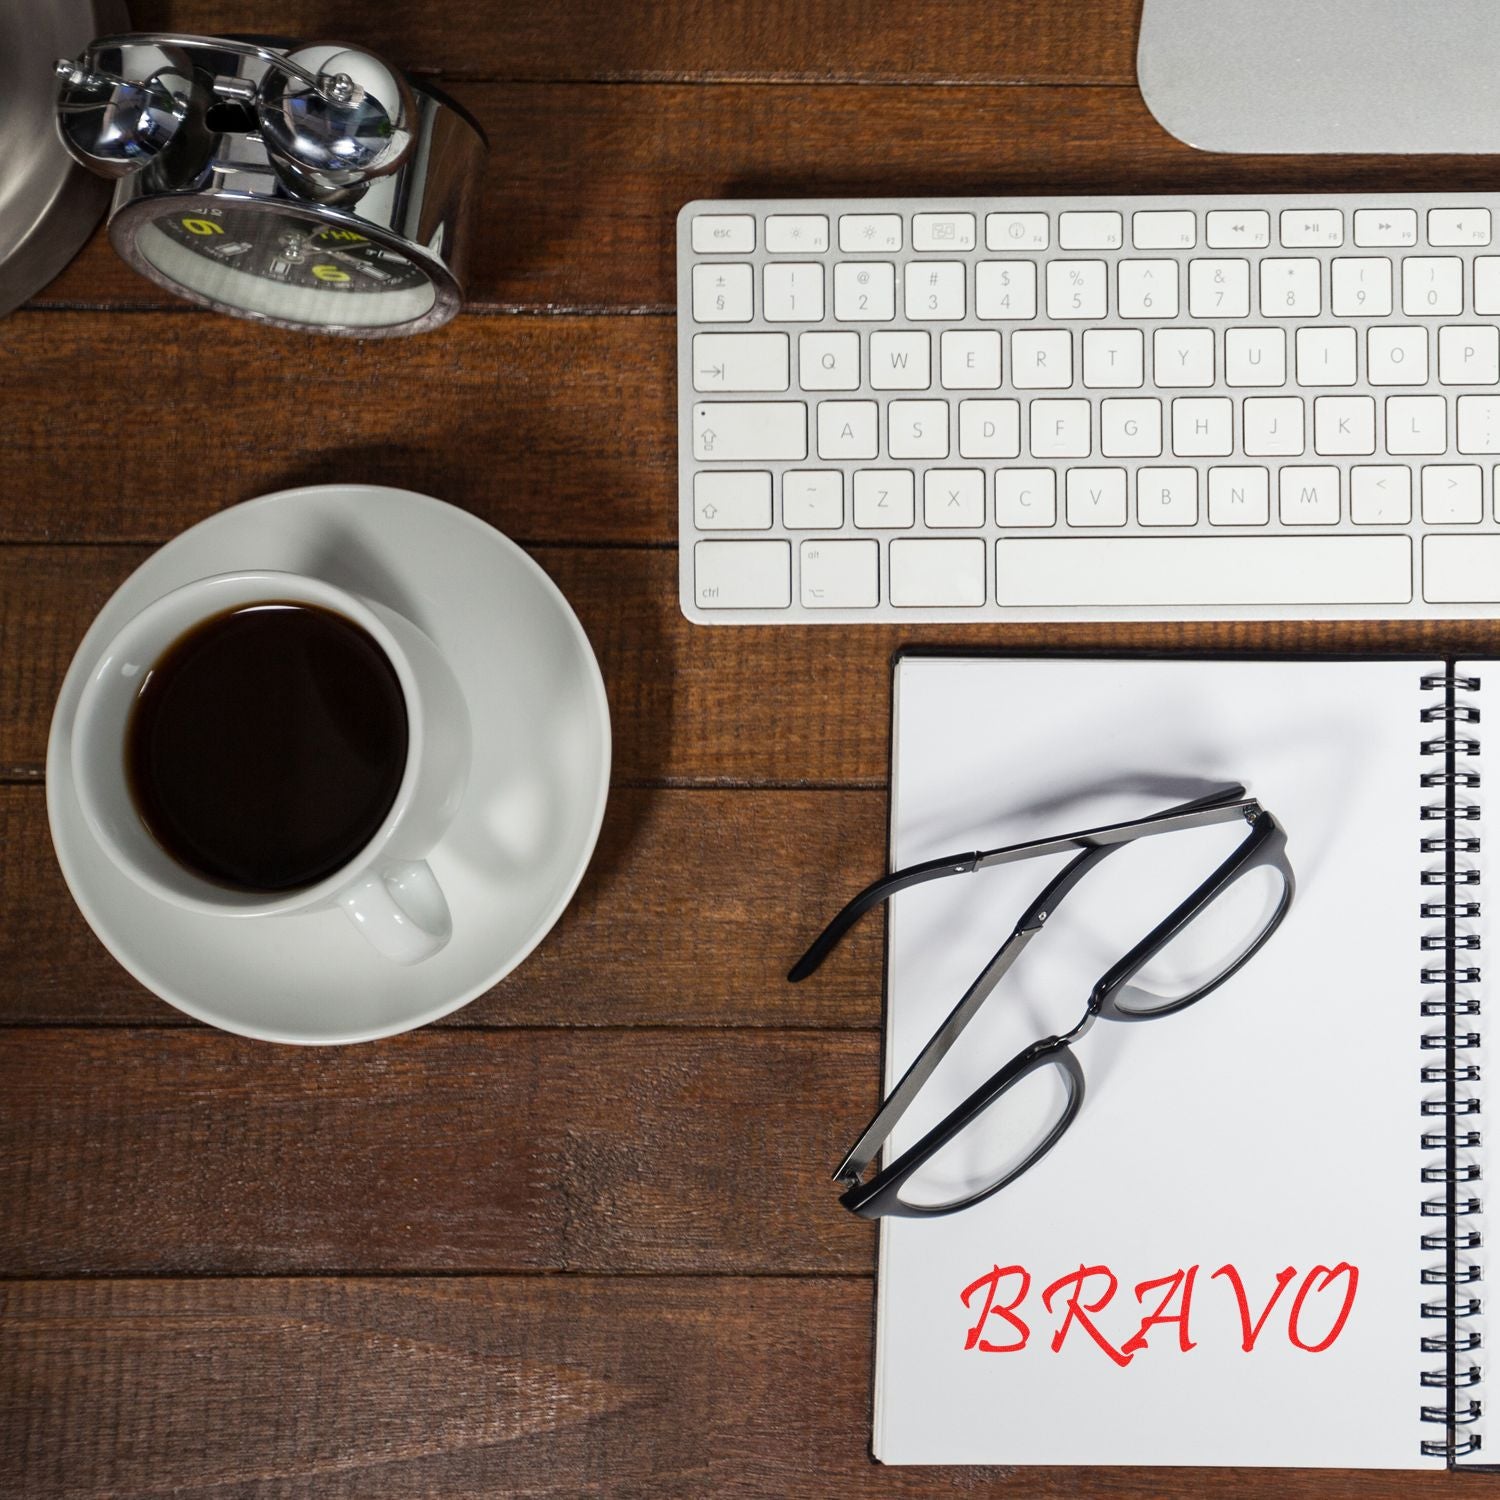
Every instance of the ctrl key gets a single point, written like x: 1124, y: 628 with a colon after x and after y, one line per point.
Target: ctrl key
x: 742, y: 575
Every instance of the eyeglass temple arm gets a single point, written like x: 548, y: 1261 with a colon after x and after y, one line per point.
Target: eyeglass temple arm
x: 862, y: 1153
x: 1219, y: 806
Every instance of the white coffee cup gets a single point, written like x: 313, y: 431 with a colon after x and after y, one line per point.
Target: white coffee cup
x: 387, y: 890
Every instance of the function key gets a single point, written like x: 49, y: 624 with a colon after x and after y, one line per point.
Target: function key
x: 1311, y: 228
x: 1376, y: 228
x: 1174, y: 229
x: 723, y: 234
x: 1239, y: 229
x: 942, y: 231
x: 1095, y: 229
x: 1016, y: 231
x: 869, y: 232
x: 1458, y: 226
x: 789, y: 233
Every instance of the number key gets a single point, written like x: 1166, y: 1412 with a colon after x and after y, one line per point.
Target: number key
x: 1219, y: 288
x: 864, y: 291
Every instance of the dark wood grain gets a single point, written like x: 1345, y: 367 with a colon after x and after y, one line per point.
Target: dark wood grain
x: 988, y: 41
x: 585, y: 181
x: 692, y: 911
x: 756, y: 704
x: 557, y: 1387
x: 192, y: 1152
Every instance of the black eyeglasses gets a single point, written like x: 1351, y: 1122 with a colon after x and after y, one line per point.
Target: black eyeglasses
x: 1014, y: 1119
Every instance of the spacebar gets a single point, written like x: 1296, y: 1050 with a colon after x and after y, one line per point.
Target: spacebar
x: 1206, y: 570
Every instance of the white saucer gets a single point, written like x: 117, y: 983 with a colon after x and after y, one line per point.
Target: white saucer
x: 523, y: 835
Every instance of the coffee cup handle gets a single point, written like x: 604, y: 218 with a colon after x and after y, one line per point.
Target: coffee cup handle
x: 401, y: 911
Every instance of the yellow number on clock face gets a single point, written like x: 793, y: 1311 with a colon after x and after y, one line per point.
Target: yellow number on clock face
x: 202, y: 226
x: 326, y: 272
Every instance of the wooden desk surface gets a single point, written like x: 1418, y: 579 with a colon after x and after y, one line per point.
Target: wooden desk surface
x: 579, y: 1238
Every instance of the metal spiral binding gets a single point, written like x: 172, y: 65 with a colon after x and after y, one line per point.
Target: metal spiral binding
x: 1446, y: 1143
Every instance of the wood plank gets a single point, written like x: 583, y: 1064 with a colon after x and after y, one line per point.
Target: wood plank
x: 978, y: 41
x: 555, y: 429
x: 585, y: 181
x: 446, y: 1389
x: 689, y: 703
x: 193, y: 1152
x: 695, y: 906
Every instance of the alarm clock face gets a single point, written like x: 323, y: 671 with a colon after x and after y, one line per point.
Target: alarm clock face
x: 282, y: 266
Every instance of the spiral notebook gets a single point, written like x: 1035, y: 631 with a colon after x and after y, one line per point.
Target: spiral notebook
x: 1261, y: 1242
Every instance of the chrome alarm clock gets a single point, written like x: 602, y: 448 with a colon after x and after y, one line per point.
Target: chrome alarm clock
x: 307, y: 186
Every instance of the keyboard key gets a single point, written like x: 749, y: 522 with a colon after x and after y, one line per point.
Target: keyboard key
x: 812, y: 499
x: 989, y: 429
x: 1461, y: 569
x: 1452, y: 494
x: 1479, y: 424
x: 1077, y: 289
x: 1202, y: 426
x: 742, y: 575
x: 971, y: 360
x: 900, y: 361
x: 937, y: 574
x: 1343, y: 425
x: 1130, y: 427
x: 1307, y: 228
x: 793, y: 293
x: 737, y: 430
x: 1041, y: 359
x: 1238, y: 495
x: 1487, y: 284
x: 1290, y: 288
x: 1148, y: 289
x: 885, y: 499
x: 729, y: 500
x: 1092, y: 229
x: 1432, y: 286
x: 723, y: 234
x: 1361, y: 286
x: 1182, y: 357
x: 1238, y: 229
x: 1166, y: 497
x: 1111, y: 572
x: 1375, y: 227
x: 848, y: 429
x: 1309, y: 495
x: 1416, y: 424
x: 869, y: 232
x: 1164, y: 229
x: 1059, y: 429
x: 1025, y: 497
x: 791, y: 234
x: 1219, y: 288
x: 1469, y: 354
x: 1096, y: 497
x: 1255, y: 356
x: 1326, y: 356
x: 942, y: 231
x: 1016, y: 232
x: 917, y: 429
x: 864, y: 291
x: 1005, y: 289
x: 1274, y: 426
x: 828, y: 361
x: 1380, y: 494
x: 953, y: 497
x: 1398, y: 356
x: 723, y: 293
x: 934, y: 290
x: 1113, y: 358
x: 1458, y: 226
x: 741, y: 362
x: 840, y: 575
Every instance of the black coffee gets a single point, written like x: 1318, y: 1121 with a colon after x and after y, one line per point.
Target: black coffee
x: 267, y: 745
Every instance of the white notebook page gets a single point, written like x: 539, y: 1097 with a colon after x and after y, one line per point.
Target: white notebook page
x: 1273, y: 1126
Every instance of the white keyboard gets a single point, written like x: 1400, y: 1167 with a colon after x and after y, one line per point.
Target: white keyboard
x: 1243, y: 407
